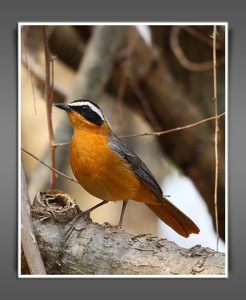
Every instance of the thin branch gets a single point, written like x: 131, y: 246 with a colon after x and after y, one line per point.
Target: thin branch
x: 158, y: 133
x: 125, y: 136
x: 28, y: 240
x: 215, y: 135
x: 51, y: 168
x: 52, y: 58
x: 61, y: 144
x: 48, y: 101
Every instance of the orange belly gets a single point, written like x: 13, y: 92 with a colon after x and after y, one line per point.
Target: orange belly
x: 103, y: 173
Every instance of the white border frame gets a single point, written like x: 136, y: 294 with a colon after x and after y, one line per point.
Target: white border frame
x: 226, y: 148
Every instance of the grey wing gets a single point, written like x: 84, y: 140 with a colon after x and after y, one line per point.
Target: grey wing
x: 136, y: 165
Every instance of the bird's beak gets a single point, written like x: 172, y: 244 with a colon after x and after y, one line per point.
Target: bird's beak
x: 63, y: 106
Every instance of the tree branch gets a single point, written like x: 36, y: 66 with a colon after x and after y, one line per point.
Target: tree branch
x: 49, y: 167
x: 216, y: 130
x: 49, y: 103
x: 28, y: 240
x: 92, y: 249
x: 174, y: 129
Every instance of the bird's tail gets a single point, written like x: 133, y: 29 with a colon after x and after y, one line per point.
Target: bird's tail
x: 174, y: 218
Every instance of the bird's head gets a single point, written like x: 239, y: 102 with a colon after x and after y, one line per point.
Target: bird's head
x: 84, y: 113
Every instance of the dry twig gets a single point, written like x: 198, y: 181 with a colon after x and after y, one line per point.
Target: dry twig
x: 215, y: 136
x: 174, y: 129
x: 48, y: 101
x: 51, y: 168
x: 126, y: 136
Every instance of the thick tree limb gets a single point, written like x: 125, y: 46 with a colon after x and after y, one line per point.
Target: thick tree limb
x: 28, y: 241
x: 93, y: 249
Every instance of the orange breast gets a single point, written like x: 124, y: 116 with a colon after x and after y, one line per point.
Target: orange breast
x: 99, y: 170
x: 102, y: 172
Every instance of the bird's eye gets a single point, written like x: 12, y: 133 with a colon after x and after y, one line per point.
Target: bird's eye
x: 84, y: 108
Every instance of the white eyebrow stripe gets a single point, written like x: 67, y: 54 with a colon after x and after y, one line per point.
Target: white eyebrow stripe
x: 92, y: 107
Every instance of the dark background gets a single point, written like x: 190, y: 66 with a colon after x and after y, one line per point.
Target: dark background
x: 14, y: 288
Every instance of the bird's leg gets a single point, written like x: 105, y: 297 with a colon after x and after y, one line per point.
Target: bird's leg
x: 88, y: 211
x: 122, y: 213
x: 85, y: 214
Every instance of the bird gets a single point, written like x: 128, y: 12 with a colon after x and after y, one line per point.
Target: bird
x: 108, y: 169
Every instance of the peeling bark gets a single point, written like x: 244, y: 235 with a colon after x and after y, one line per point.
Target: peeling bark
x: 70, y: 243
